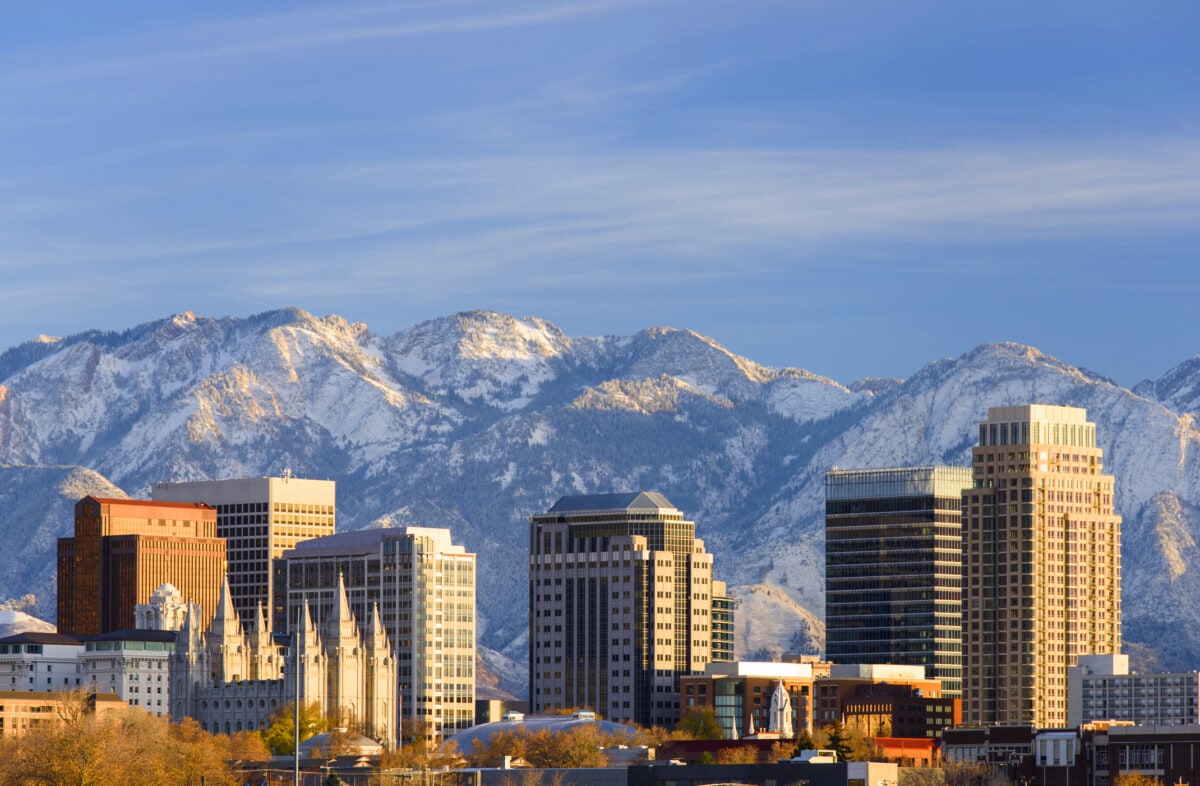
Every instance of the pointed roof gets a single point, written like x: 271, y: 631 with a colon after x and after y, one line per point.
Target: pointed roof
x: 341, y: 624
x: 226, y: 622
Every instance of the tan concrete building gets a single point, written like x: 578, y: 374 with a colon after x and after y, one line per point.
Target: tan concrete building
x: 125, y: 549
x: 1041, y: 563
x: 620, y: 606
x: 259, y: 518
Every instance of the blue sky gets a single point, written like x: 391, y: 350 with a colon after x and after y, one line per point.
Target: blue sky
x: 855, y: 188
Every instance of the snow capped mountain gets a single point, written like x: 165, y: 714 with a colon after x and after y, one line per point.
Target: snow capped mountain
x: 477, y: 420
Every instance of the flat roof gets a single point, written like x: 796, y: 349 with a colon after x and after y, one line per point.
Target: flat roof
x: 630, y: 500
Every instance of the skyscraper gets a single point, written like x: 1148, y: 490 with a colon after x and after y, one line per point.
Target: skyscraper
x: 125, y: 549
x: 893, y: 568
x: 1041, y: 563
x: 259, y: 518
x: 620, y: 606
x: 423, y: 586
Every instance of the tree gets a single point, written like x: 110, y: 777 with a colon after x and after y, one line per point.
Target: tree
x: 700, y: 724
x: 130, y: 747
x: 737, y: 754
x: 1135, y: 779
x: 782, y: 750
x: 280, y: 733
x: 421, y: 754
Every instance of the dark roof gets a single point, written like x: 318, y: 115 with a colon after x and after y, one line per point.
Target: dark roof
x: 630, y: 500
x: 33, y: 637
x: 134, y: 634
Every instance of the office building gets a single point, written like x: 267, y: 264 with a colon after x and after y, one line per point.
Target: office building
x: 259, y: 518
x: 1041, y: 563
x: 620, y: 606
x: 125, y: 549
x: 1101, y: 688
x: 424, y: 588
x: 893, y: 568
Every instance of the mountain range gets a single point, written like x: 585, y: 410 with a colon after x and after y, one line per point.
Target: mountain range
x: 476, y: 421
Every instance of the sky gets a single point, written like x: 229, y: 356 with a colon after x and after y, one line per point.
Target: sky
x: 853, y: 188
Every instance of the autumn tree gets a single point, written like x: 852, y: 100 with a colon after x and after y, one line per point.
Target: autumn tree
x: 577, y: 746
x: 280, y: 734
x: 130, y: 747
x: 737, y: 754
x: 1135, y: 779
x: 700, y: 724
x: 782, y: 750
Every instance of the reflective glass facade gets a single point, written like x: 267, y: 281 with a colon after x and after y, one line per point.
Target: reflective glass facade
x: 893, y: 568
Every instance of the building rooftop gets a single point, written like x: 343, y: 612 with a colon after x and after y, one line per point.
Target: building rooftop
x: 370, y: 539
x: 150, y: 503
x: 32, y: 637
x: 135, y: 634
x: 634, y: 500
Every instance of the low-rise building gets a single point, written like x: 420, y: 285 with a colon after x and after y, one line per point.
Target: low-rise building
x: 25, y: 711
x: 134, y: 664
x: 740, y: 694
x: 40, y: 662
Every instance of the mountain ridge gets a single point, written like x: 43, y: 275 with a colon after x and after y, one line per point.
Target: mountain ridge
x: 477, y: 420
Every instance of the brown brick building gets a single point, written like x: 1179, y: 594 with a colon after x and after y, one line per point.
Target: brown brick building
x: 124, y: 549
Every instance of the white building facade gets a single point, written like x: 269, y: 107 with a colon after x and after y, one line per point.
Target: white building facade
x: 424, y: 588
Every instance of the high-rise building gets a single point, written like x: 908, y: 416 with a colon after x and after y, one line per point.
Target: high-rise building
x: 722, y: 626
x: 893, y: 568
x: 259, y: 518
x: 125, y: 549
x: 424, y: 588
x: 1041, y: 563
x: 620, y: 606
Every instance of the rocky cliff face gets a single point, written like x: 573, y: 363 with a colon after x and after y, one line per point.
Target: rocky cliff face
x: 477, y: 420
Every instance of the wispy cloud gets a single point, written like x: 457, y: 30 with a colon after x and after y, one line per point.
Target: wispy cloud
x: 292, y: 31
x: 689, y: 211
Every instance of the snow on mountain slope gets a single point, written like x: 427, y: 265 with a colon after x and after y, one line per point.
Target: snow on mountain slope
x: 478, y: 420
x: 481, y: 356
x: 39, y: 508
x: 1178, y: 389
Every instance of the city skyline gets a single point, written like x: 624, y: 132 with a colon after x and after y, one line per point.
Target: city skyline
x: 806, y: 183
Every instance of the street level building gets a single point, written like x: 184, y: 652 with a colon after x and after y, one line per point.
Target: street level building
x: 620, y: 606
x: 424, y: 587
x: 893, y: 568
x: 1041, y: 563
x: 125, y: 549
x: 24, y: 712
x: 259, y: 518
x: 740, y: 694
